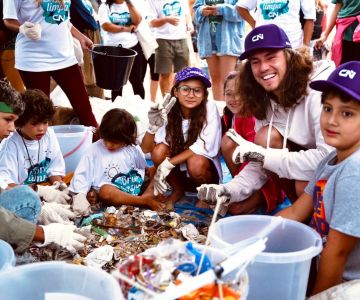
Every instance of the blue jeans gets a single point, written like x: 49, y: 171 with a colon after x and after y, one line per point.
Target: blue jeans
x: 22, y: 201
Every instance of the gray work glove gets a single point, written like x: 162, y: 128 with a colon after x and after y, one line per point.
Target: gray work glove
x: 56, y: 213
x: 158, y: 113
x: 212, y: 193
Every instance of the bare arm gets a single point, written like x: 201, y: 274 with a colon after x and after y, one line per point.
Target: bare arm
x: 85, y: 42
x: 333, y: 259
x: 134, y: 14
x: 162, y: 21
x: 308, y: 31
x: 300, y: 211
x: 245, y: 14
x: 181, y: 157
x: 147, y: 143
x: 12, y: 24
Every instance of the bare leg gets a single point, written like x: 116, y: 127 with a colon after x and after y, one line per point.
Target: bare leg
x: 165, y: 83
x: 153, y: 89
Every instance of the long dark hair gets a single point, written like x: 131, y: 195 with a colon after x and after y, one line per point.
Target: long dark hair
x: 293, y: 88
x: 174, y: 134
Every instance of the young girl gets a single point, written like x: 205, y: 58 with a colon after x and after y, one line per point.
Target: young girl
x: 243, y: 123
x: 32, y: 155
x: 119, y: 19
x: 190, y: 141
x: 114, y: 166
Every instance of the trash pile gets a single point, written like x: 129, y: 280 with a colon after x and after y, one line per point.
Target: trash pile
x: 115, y: 234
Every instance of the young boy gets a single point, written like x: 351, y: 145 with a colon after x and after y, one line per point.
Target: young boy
x: 332, y: 196
x: 32, y: 155
x: 114, y: 166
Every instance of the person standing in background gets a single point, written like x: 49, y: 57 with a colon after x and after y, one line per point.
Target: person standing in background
x: 220, y: 38
x: 83, y: 18
x: 44, y: 48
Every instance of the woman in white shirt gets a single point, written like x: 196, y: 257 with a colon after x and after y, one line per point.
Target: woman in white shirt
x: 119, y: 19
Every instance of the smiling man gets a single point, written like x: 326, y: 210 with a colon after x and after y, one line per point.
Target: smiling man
x: 288, y: 142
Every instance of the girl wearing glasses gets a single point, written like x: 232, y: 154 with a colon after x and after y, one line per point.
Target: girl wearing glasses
x: 184, y: 137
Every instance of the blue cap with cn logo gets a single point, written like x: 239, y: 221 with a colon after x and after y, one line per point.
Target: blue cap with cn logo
x: 345, y: 78
x: 267, y: 36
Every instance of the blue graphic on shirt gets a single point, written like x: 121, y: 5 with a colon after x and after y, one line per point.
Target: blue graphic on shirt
x: 129, y: 183
x: 39, y: 172
x: 274, y: 8
x: 55, y: 12
x: 172, y: 9
x: 121, y: 19
x: 88, y: 6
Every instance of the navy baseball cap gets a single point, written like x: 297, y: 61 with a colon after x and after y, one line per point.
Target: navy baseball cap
x: 192, y: 73
x: 267, y: 36
x: 345, y: 78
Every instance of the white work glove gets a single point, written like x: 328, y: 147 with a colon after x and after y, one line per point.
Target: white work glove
x: 158, y: 113
x: 212, y: 193
x: 81, y: 205
x: 246, y: 151
x: 31, y: 30
x: 51, y: 194
x: 56, y: 213
x: 64, y: 236
x: 163, y: 170
x: 60, y: 185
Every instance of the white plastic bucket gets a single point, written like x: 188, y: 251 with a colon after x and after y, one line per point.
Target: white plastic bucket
x: 73, y: 140
x: 7, y: 256
x: 280, y: 272
x: 58, y: 280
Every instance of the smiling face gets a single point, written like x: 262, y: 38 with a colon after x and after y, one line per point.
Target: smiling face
x: 7, y: 125
x: 232, y: 98
x: 269, y: 69
x: 34, y: 130
x: 190, y: 94
x: 340, y: 125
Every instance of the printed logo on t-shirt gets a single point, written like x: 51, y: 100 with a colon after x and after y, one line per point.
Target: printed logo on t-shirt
x: 271, y: 9
x: 172, y: 9
x: 55, y: 12
x: 39, y: 172
x: 318, y: 220
x: 129, y: 183
x: 121, y: 19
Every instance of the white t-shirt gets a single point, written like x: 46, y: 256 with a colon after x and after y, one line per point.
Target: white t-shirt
x: 25, y: 161
x: 284, y: 13
x: 165, y: 8
x: 123, y: 168
x: 210, y: 134
x: 117, y: 14
x: 55, y: 50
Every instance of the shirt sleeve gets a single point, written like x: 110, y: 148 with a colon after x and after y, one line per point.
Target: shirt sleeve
x: 198, y: 11
x: 84, y: 174
x: 152, y: 10
x: 229, y: 12
x: 57, y: 164
x: 9, y: 166
x: 10, y: 9
x: 209, y: 140
x: 104, y: 12
x: 309, y: 9
x: 248, y: 4
x: 16, y: 231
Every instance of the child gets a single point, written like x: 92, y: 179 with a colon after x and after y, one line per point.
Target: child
x: 114, y: 166
x: 235, y: 117
x: 332, y: 196
x: 190, y: 141
x: 32, y: 155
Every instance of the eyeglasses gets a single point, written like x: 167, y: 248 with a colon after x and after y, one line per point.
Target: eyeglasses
x: 185, y: 91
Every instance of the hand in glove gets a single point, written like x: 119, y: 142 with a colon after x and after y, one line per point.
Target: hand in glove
x: 246, y: 151
x: 212, y: 193
x: 51, y: 194
x: 158, y: 113
x: 163, y: 170
x: 56, y: 213
x: 81, y: 205
x: 64, y: 236
x: 31, y: 30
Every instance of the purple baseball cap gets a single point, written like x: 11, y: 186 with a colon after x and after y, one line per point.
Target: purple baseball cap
x: 345, y: 78
x: 192, y: 73
x: 267, y: 36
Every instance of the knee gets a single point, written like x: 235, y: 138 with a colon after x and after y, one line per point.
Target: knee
x: 227, y: 146
x: 105, y: 192
x: 198, y: 166
x: 276, y: 138
x: 159, y: 153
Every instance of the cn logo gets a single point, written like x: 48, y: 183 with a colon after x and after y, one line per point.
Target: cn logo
x: 257, y: 37
x: 347, y: 73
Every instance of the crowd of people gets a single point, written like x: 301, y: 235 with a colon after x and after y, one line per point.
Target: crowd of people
x: 290, y: 128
